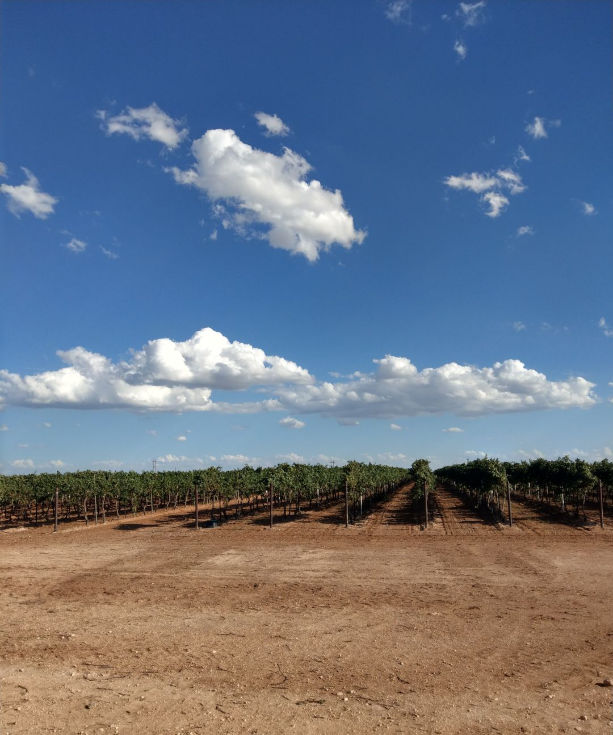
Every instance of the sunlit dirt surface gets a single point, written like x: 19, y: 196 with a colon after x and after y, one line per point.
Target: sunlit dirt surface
x: 146, y: 625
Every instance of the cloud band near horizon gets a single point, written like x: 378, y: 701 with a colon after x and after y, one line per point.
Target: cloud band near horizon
x: 171, y: 376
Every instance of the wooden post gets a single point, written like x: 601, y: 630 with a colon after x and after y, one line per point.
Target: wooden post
x: 56, y: 509
x: 95, y: 509
x: 270, y: 492
x: 346, y: 503
x: 510, y: 512
x: 601, y: 504
x: 426, y: 503
x: 196, y: 505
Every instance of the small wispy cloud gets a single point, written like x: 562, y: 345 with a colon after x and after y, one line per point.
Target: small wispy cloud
x: 537, y: 129
x: 490, y: 186
x: 399, y: 11
x: 588, y: 209
x: 182, y: 438
x: 521, y: 155
x: 453, y: 430
x: 471, y: 14
x: 291, y: 423
x: 144, y: 122
x: 496, y: 202
x: 395, y: 427
x: 272, y: 124
x: 519, y: 326
x: 23, y: 464
x: 461, y: 50
x: 530, y: 454
x: 3, y: 170
x: 525, y: 230
x: 75, y: 245
x: 606, y: 329
x: 109, y: 253
x: 4, y: 427
x: 28, y: 197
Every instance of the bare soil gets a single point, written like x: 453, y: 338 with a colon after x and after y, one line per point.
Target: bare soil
x: 145, y: 625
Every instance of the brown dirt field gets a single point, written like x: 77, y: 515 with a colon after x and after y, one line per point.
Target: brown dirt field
x: 145, y: 625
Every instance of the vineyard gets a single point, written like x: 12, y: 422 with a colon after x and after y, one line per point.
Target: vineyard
x: 560, y: 489
x: 381, y: 599
x: 92, y: 496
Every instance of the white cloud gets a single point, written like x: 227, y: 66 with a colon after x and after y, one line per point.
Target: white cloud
x: 475, y: 182
x: 272, y: 124
x: 4, y: 427
x: 496, y: 202
x: 145, y: 122
x: 519, y: 326
x: 521, y: 155
x: 213, y: 235
x: 182, y: 438
x: 254, y: 189
x: 172, y: 458
x: 75, y: 246
x: 475, y: 453
x: 490, y: 186
x: 392, y: 458
x: 461, y: 49
x: 511, y: 180
x: 531, y: 454
x: 590, y: 455
x: 109, y: 253
x: 537, y: 129
x: 237, y: 460
x: 209, y: 360
x: 453, y: 430
x: 525, y: 230
x: 588, y: 209
x: 57, y: 463
x: 397, y: 388
x: 23, y: 464
x: 290, y: 457
x: 292, y: 423
x: 162, y: 376
x: 47, y: 424
x: 471, y: 14
x: 606, y: 329
x: 3, y: 170
x: 181, y: 376
x: 152, y: 432
x: 395, y: 427
x: 28, y: 197
x: 399, y: 11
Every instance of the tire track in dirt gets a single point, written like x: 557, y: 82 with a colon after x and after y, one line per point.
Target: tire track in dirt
x: 532, y: 519
x: 457, y: 518
x: 393, y: 512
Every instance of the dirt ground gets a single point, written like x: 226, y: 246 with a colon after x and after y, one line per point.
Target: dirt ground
x: 146, y: 625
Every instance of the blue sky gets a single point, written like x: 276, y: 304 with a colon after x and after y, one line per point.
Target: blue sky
x: 256, y: 232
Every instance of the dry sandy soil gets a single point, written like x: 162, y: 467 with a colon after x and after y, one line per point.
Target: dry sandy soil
x: 146, y: 625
